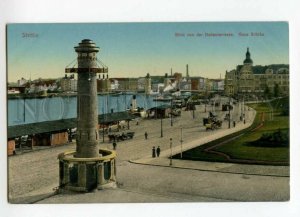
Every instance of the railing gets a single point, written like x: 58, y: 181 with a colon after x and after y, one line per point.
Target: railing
x: 82, y: 70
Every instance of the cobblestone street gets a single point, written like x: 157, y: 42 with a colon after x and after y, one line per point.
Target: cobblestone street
x: 34, y: 175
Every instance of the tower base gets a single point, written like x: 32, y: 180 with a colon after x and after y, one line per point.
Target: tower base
x: 87, y: 174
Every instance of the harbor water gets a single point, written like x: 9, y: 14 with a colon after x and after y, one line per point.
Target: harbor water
x: 25, y: 111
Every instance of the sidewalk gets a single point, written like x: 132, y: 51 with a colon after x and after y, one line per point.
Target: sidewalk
x: 164, y: 159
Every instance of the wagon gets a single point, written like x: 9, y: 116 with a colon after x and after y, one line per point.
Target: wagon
x: 210, y: 126
x: 120, y: 137
x: 212, y: 123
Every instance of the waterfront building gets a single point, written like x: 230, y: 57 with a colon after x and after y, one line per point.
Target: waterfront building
x: 217, y: 85
x: 68, y: 83
x: 15, y: 89
x: 126, y: 84
x: 103, y: 84
x: 255, y: 80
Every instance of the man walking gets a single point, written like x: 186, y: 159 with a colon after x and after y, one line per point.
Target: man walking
x: 146, y: 135
x: 158, y: 151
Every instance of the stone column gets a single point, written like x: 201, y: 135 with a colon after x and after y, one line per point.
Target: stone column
x: 100, y: 174
x: 82, y: 175
x: 66, y: 179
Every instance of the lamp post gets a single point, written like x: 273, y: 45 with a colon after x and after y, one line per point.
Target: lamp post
x: 172, y: 112
x: 193, y: 107
x: 181, y: 142
x: 244, y: 116
x: 171, y: 152
x: 241, y: 104
x: 161, y: 127
x: 229, y: 107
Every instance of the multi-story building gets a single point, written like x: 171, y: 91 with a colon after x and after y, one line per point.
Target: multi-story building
x: 127, y: 84
x: 68, y: 83
x: 249, y: 79
x: 103, y: 84
x: 217, y: 85
x: 198, y: 83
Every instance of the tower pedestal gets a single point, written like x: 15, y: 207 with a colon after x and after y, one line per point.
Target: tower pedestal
x: 87, y: 174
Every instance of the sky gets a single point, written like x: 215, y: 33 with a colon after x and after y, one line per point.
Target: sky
x: 135, y: 49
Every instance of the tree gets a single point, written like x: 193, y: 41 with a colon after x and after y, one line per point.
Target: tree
x: 267, y: 91
x: 276, y: 90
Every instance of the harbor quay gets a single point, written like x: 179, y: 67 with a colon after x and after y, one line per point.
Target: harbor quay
x: 142, y: 178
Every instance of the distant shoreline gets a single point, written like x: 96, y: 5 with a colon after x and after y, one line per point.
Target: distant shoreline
x: 50, y: 95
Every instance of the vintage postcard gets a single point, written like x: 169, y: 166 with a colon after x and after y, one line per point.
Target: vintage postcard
x: 148, y: 112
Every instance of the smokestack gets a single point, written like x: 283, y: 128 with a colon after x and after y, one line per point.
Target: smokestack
x: 187, y: 71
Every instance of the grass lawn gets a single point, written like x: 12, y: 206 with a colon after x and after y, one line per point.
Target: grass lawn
x: 240, y: 147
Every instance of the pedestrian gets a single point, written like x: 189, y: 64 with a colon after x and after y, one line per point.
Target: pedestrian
x: 153, y: 151
x: 158, y: 151
x: 233, y: 123
x: 244, y: 121
x: 146, y: 135
x: 115, y: 145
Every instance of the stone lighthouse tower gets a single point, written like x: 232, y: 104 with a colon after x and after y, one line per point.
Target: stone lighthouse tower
x: 88, y: 167
x: 87, y: 109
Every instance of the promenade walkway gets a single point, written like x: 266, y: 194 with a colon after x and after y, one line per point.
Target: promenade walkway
x: 164, y: 159
x: 142, y: 178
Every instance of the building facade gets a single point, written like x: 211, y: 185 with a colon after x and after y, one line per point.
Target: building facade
x: 103, y: 84
x: 68, y: 84
x: 257, y: 80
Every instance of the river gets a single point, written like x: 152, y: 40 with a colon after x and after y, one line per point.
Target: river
x: 25, y: 111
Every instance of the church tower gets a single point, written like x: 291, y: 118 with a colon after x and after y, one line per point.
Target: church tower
x: 246, y: 77
x: 248, y: 59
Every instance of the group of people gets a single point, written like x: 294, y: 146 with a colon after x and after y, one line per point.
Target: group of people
x: 155, y: 152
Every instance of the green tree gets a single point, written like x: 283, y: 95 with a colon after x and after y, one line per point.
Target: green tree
x: 267, y: 91
x: 276, y: 90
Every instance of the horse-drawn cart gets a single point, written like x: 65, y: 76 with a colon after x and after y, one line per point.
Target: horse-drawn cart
x: 116, y: 137
x: 211, y: 122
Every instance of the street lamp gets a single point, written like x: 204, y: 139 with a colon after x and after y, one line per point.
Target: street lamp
x: 229, y: 107
x: 193, y: 107
x: 181, y: 142
x: 161, y: 127
x: 171, y: 152
x: 172, y: 112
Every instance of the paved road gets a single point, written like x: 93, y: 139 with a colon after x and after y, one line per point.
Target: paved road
x: 143, y: 183
x: 33, y: 175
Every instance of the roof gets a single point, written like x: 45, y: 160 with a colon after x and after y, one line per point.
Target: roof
x: 160, y: 107
x: 63, y: 124
x: 40, y: 127
x: 114, y: 117
x: 277, y: 68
